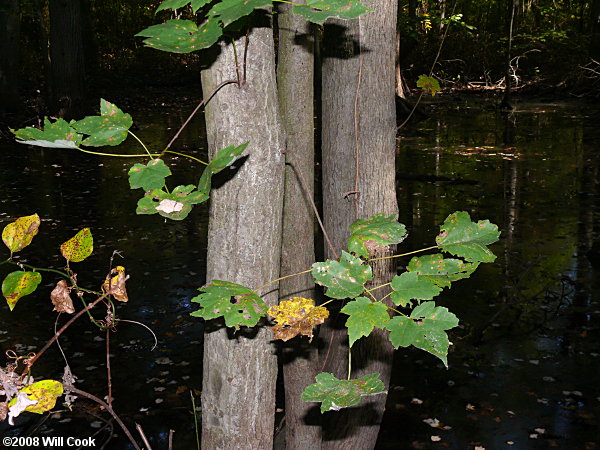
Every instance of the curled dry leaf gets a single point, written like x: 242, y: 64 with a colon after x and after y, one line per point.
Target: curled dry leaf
x: 3, y: 411
x: 61, y: 299
x: 296, y: 316
x: 115, y: 284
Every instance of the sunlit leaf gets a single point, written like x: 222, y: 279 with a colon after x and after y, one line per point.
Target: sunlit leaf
x: 343, y: 279
x: 175, y: 205
x: 228, y: 11
x: 428, y: 84
x: 109, y: 128
x: 115, y: 284
x: 149, y: 176
x: 462, y: 237
x: 318, y: 11
x: 425, y: 329
x: 375, y: 233
x: 439, y: 270
x: 19, y: 284
x: 57, y: 134
x: 182, y: 36
x: 44, y: 393
x: 334, y: 394
x: 237, y: 304
x: 18, y: 234
x: 409, y: 285
x: 364, y: 316
x: 222, y: 159
x: 296, y: 316
x: 61, y: 298
x: 78, y: 247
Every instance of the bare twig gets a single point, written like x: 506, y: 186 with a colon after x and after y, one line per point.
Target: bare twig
x: 171, y: 439
x: 85, y: 394
x: 138, y: 427
x: 108, y: 373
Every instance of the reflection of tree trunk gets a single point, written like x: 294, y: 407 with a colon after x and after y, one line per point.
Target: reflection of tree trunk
x: 511, y: 193
x: 244, y: 245
x: 595, y: 30
x: 297, y: 250
x: 67, y: 54
x: 508, y: 76
x: 358, y: 155
x: 9, y: 56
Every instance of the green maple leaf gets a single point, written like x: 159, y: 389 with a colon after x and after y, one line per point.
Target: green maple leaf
x: 181, y: 36
x: 222, y: 159
x: 177, y: 4
x: 428, y: 84
x: 410, y: 285
x: 376, y: 232
x: 109, y: 128
x: 150, y: 176
x: 175, y: 205
x: 335, y: 394
x: 439, y: 270
x: 469, y: 240
x: 343, y: 279
x: 364, y: 316
x: 215, y: 301
x: 318, y: 11
x: 228, y: 11
x: 424, y: 329
x: 57, y: 134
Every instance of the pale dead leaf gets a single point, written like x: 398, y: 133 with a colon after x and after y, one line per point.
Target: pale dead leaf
x: 61, y: 299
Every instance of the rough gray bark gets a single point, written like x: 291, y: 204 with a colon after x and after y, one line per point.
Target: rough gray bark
x: 67, y: 58
x: 359, y: 155
x: 295, y: 76
x: 244, y: 244
x: 9, y: 56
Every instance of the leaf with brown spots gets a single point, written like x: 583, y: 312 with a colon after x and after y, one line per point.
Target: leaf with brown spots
x: 18, y: 234
x: 79, y: 246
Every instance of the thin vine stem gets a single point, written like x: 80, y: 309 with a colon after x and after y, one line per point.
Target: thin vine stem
x: 116, y: 155
x: 141, y: 143
x: 186, y: 156
x: 281, y: 278
x: 404, y: 254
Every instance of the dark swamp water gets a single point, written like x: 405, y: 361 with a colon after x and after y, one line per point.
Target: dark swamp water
x: 525, y: 368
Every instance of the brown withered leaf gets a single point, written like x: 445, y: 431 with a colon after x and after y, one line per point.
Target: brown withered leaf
x: 296, y: 316
x: 115, y: 284
x: 61, y: 299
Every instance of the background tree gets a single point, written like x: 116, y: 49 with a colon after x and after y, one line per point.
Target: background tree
x: 9, y: 56
x: 69, y: 29
x: 358, y: 146
x: 244, y: 242
x: 296, y: 98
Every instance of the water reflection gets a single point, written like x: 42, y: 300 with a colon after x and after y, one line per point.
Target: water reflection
x: 524, y: 371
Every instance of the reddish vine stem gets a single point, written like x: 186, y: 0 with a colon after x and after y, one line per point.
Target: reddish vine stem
x: 108, y: 373
x: 92, y: 397
x: 196, y: 109
x: 61, y: 331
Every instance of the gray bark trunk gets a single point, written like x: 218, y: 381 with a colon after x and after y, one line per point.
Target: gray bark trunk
x: 244, y: 243
x: 9, y: 56
x: 359, y: 155
x: 295, y: 76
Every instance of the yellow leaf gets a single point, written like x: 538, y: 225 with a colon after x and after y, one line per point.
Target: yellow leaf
x: 18, y: 234
x: 296, y: 316
x: 115, y: 284
x: 44, y: 393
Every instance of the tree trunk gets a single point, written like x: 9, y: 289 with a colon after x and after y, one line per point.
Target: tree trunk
x: 359, y: 180
x: 295, y: 76
x: 67, y: 55
x: 595, y: 30
x: 9, y: 56
x: 244, y: 243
